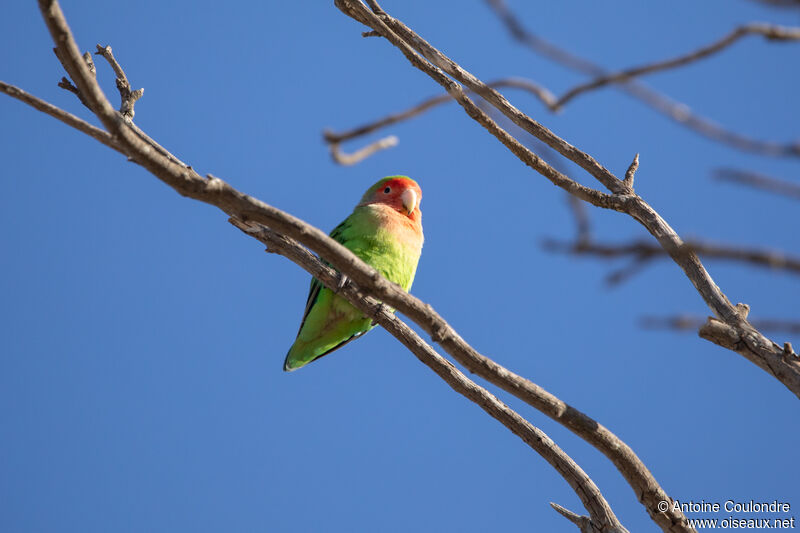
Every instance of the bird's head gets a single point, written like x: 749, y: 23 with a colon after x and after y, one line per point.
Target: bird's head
x: 401, y: 193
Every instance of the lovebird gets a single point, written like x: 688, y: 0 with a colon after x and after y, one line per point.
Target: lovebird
x: 385, y: 231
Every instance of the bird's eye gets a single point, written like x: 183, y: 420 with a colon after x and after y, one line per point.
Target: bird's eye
x: 387, y: 190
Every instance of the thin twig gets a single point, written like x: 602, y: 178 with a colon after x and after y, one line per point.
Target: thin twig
x: 758, y: 181
x: 691, y: 322
x: 359, y: 155
x: 127, y: 96
x: 768, y: 31
x: 677, y: 111
x: 67, y: 118
x: 540, y: 92
x: 725, y: 335
x: 647, y: 250
x: 128, y: 100
x: 583, y: 522
x: 631, y: 172
x: 66, y: 84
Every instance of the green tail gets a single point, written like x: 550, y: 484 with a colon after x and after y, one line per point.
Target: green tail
x: 301, y: 353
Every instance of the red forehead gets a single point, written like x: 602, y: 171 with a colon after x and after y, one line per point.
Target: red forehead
x: 401, y: 184
x: 396, y: 185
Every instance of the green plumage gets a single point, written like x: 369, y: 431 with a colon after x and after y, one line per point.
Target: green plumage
x: 382, y: 237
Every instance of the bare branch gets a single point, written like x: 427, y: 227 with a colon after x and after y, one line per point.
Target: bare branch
x: 66, y: 84
x: 332, y: 137
x: 127, y: 97
x: 693, y: 323
x: 517, y: 83
x: 728, y: 337
x: 583, y: 522
x: 58, y: 113
x: 603, y: 518
x: 768, y: 31
x: 677, y: 111
x: 363, y: 153
x: 758, y: 181
x: 631, y: 172
x: 647, y: 250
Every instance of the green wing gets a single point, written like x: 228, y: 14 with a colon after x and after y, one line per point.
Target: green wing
x: 335, y: 321
x: 313, y: 292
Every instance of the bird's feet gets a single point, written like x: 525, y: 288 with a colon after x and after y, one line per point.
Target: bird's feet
x: 379, y: 310
x: 341, y: 282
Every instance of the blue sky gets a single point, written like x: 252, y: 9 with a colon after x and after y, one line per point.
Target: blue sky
x: 142, y: 337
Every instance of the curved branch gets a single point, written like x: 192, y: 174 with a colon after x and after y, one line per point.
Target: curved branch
x: 677, y: 111
x: 67, y: 118
x: 768, y: 31
x: 359, y: 155
x: 646, y: 250
x: 694, y: 323
x: 332, y: 137
x: 602, y: 517
x: 128, y: 97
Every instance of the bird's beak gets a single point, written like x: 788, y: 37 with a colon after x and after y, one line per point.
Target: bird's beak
x: 409, y: 199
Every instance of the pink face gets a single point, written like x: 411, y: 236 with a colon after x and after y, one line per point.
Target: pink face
x: 400, y: 194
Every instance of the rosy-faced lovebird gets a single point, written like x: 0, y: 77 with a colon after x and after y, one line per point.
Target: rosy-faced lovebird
x: 385, y: 231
